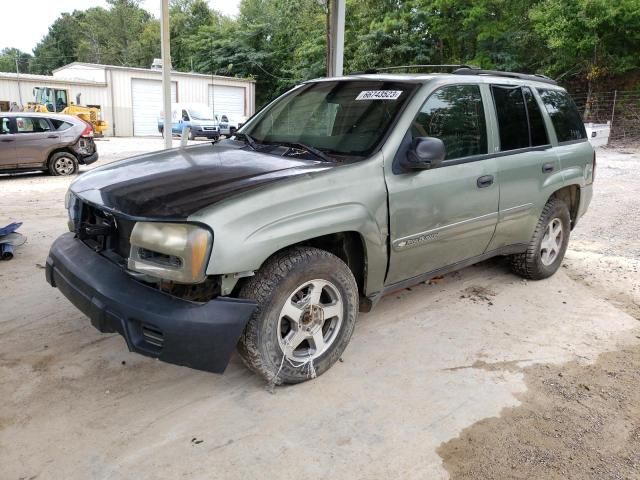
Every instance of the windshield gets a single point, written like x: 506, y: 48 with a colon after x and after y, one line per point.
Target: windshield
x: 341, y: 117
x: 201, y: 113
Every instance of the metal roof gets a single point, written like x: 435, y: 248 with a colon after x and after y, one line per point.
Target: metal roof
x: 28, y: 77
x: 99, y: 66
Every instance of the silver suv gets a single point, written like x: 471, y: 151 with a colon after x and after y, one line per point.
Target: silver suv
x: 44, y: 141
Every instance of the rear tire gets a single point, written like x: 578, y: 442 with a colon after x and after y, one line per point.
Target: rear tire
x: 63, y: 164
x: 192, y: 136
x: 548, y: 243
x: 307, y: 308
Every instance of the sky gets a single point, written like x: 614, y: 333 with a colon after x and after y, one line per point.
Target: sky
x: 24, y: 23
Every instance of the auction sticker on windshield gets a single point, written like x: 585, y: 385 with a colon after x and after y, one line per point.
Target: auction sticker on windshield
x: 379, y: 95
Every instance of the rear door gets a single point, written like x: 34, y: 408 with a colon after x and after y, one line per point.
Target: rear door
x: 35, y: 139
x: 7, y: 144
x: 527, y: 165
x: 448, y: 214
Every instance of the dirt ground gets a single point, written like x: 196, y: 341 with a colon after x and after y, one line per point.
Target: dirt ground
x: 477, y: 375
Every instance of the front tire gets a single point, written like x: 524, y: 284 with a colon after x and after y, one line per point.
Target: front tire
x: 63, y: 163
x: 548, y: 243
x: 307, y: 308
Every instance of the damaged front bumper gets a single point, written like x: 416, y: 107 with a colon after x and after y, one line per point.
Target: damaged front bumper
x: 153, y: 323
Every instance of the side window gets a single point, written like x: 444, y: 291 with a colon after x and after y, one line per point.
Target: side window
x: 32, y: 125
x: 564, y: 115
x: 512, y: 117
x: 536, y: 122
x: 59, y: 125
x: 24, y: 125
x: 455, y: 115
x: 5, y: 126
x: 41, y: 125
x: 185, y: 116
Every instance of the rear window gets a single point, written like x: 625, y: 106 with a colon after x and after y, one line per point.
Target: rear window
x: 60, y: 125
x: 564, y: 115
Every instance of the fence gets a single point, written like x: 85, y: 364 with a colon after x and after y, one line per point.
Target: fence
x: 620, y: 107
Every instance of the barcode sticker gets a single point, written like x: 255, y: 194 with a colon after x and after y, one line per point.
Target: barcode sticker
x: 379, y: 95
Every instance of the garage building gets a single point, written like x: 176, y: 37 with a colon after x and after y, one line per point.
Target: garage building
x: 131, y: 98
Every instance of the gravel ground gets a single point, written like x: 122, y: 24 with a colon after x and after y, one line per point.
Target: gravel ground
x: 475, y: 375
x: 576, y: 421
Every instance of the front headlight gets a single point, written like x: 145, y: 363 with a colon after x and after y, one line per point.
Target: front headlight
x: 73, y: 210
x: 171, y: 251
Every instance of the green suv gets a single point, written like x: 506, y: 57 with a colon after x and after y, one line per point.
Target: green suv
x: 339, y: 191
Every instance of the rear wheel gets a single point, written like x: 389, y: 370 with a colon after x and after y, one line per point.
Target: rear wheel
x: 192, y: 136
x: 548, y: 244
x: 63, y: 163
x: 307, y: 307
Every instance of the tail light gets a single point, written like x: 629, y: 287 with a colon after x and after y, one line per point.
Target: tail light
x: 593, y: 167
x: 88, y: 129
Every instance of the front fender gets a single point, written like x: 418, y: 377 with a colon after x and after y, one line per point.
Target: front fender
x: 250, y: 228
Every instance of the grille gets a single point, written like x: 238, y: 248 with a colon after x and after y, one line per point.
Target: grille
x: 153, y: 335
x: 105, y: 232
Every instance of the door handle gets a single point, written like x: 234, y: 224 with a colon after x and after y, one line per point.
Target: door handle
x: 484, y: 181
x: 52, y: 136
x: 548, y: 168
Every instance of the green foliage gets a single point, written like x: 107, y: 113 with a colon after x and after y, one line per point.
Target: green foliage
x: 593, y: 38
x: 283, y: 42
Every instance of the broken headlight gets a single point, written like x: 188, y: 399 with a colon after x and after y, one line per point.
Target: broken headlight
x: 73, y: 210
x: 171, y: 251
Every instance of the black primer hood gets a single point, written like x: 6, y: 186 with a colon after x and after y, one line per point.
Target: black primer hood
x: 178, y: 182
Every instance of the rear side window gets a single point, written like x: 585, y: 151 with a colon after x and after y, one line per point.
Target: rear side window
x: 60, y: 125
x: 519, y: 118
x: 536, y: 122
x: 564, y: 115
x: 455, y: 115
x: 512, y: 117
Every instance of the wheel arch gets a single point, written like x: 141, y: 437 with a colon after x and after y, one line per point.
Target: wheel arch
x: 569, y: 194
x: 349, y: 246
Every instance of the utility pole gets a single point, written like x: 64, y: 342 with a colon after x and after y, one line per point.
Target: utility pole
x: 166, y: 73
x: 335, y: 37
x: 19, y: 84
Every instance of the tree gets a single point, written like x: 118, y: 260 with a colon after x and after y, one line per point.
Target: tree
x: 8, y: 58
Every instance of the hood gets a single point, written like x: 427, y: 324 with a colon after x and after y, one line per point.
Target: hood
x: 173, y: 184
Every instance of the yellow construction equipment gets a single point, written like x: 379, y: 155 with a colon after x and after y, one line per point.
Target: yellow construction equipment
x: 56, y: 100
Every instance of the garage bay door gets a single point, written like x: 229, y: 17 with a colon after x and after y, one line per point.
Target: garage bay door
x: 147, y: 104
x: 227, y: 100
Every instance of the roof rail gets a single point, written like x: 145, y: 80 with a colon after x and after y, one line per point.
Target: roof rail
x: 408, y: 67
x: 523, y: 76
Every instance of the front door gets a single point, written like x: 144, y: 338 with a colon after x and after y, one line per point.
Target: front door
x: 448, y: 214
x: 7, y: 144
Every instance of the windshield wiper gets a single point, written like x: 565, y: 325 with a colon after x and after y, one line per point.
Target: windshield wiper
x: 314, y: 151
x: 248, y: 138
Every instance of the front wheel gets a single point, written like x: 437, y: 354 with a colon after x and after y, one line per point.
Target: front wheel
x: 307, y: 308
x: 548, y: 243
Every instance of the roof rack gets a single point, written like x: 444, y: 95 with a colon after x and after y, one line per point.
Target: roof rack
x: 465, y: 70
x: 407, y: 67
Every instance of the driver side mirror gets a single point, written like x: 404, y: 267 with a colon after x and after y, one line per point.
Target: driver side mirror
x: 425, y: 153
